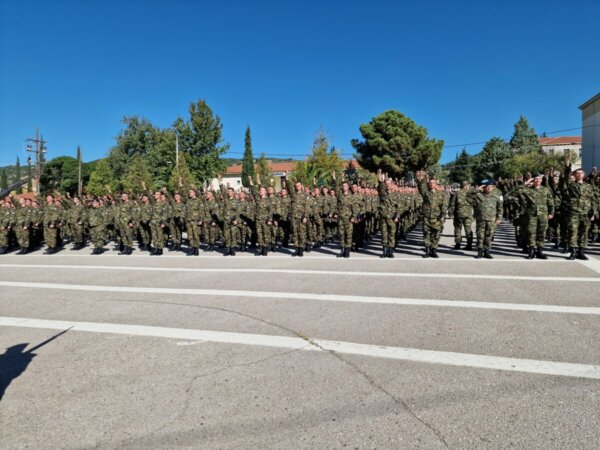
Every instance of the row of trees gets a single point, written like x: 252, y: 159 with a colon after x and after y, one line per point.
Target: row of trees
x: 502, y: 158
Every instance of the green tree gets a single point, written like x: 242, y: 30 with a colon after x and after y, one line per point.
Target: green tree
x: 161, y: 158
x: 524, y: 139
x: 522, y: 164
x: 60, y: 174
x: 201, y: 138
x: 488, y: 163
x: 3, y: 180
x: 320, y: 163
x: 18, y: 170
x: 29, y: 181
x: 395, y: 144
x: 182, y: 179
x: 460, y: 169
x: 248, y: 161
x: 101, y: 181
x: 138, y: 178
x: 263, y: 170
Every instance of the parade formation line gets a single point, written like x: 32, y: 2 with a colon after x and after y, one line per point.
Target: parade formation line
x: 349, y: 348
x: 310, y: 272
x: 285, y: 296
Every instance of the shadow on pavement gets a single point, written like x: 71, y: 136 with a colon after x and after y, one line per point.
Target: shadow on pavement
x: 15, y: 360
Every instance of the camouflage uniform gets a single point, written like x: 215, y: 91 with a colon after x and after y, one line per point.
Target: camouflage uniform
x: 488, y: 210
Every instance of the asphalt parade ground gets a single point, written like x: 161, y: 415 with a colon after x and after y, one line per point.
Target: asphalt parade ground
x: 141, y: 352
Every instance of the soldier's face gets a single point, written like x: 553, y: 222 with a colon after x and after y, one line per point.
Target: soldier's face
x: 298, y: 187
x: 49, y: 199
x: 191, y: 193
x: 537, y: 181
x: 488, y: 189
x: 579, y: 175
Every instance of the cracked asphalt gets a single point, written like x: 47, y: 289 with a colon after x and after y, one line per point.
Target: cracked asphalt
x: 108, y: 390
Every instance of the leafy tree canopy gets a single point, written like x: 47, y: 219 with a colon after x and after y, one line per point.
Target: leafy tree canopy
x: 524, y: 139
x: 395, y: 144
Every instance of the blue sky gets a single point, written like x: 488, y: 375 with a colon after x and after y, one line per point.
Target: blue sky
x: 466, y: 70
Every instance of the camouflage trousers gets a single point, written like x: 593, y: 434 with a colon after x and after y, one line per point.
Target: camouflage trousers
x: 432, y: 231
x: 76, y: 233
x: 193, y: 232
x: 485, y: 230
x: 298, y: 233
x: 536, y: 230
x: 144, y: 233
x: 316, y: 230
x: 158, y: 235
x: 97, y: 235
x: 460, y: 223
x: 346, y: 229
x: 388, y: 232
x: 23, y: 235
x: 263, y: 232
x: 126, y: 234
x: 578, y: 225
x: 231, y: 234
x: 51, y: 236
x: 176, y: 227
x: 4, y: 237
x: 210, y: 232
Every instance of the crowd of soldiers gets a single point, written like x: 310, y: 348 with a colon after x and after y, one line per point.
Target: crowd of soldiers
x: 559, y: 206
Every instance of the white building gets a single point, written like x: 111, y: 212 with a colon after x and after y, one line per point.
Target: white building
x: 233, y: 175
x: 560, y: 144
x: 590, y: 112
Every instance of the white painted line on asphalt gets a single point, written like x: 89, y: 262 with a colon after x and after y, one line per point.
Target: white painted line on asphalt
x: 308, y: 296
x: 349, y: 348
x: 309, y: 272
x: 417, y: 256
x: 592, y: 264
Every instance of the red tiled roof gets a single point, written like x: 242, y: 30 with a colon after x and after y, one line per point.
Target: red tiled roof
x: 275, y: 167
x: 560, y: 140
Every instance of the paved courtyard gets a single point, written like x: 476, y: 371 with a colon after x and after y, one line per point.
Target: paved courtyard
x: 143, y: 352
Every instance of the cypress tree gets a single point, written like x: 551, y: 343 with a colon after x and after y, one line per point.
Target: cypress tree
x: 248, y: 161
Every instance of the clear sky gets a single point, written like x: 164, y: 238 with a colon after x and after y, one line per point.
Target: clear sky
x: 466, y: 70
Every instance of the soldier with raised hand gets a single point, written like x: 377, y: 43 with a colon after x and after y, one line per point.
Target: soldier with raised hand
x: 346, y: 214
x: 179, y: 212
x: 461, y: 213
x: 388, y: 214
x: 263, y: 214
x: 194, y: 221
x: 52, y: 216
x: 540, y: 209
x: 488, y: 214
x: 76, y: 220
x: 229, y: 216
x: 434, y: 208
x: 298, y: 216
x: 96, y: 225
x: 581, y: 200
x: 22, y: 226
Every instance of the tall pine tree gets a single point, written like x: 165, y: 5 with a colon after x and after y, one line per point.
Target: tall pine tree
x: 18, y: 170
x: 3, y: 180
x: 248, y: 161
x: 460, y: 169
x: 524, y: 139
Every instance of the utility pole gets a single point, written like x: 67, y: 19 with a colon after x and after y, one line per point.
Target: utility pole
x: 79, y: 158
x: 39, y: 151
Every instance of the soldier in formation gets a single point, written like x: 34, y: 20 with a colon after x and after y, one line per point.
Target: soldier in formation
x: 560, y: 206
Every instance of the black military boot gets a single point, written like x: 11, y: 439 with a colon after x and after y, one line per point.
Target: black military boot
x: 2, y: 250
x: 433, y: 253
x: 469, y: 243
x: 385, y: 252
x: 530, y: 253
x: 210, y: 247
x: 427, y: 252
x: 346, y: 252
x: 581, y: 255
x: 571, y: 256
x: 341, y: 253
x: 265, y: 250
x: 232, y: 251
x: 196, y: 251
x: 487, y: 255
x: 122, y: 250
x: 308, y: 248
x: 540, y: 253
x: 479, y: 253
x: 390, y: 252
x: 95, y: 251
x: 457, y: 246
